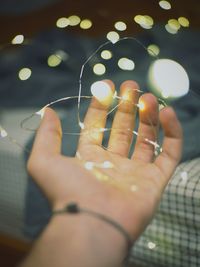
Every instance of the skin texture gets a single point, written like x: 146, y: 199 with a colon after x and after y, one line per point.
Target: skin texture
x: 65, y: 179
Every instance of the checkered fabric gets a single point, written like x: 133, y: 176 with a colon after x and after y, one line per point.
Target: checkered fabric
x: 173, y: 237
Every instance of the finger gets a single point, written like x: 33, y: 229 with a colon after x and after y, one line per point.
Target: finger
x: 124, y: 120
x: 148, y: 127
x: 95, y: 120
x: 47, y: 141
x: 172, y: 143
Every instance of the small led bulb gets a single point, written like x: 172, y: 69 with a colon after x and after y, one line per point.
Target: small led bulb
x: 102, y: 91
x: 141, y: 105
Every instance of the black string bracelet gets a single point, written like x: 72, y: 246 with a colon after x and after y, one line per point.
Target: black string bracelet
x: 73, y: 208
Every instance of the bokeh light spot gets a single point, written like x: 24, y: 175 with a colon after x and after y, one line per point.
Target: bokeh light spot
x: 184, y: 22
x: 106, y: 54
x: 24, y: 74
x: 168, y: 78
x: 153, y: 50
x: 74, y: 20
x: 54, y: 60
x: 18, y: 39
x: 86, y: 24
x: 120, y: 26
x: 113, y: 36
x: 126, y: 64
x: 165, y: 5
x: 62, y: 22
x: 99, y: 69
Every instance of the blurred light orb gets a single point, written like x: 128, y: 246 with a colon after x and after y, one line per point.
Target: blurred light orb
x: 153, y: 50
x: 86, y: 24
x: 18, y: 39
x: 62, y: 54
x: 145, y: 21
x: 106, y: 54
x: 170, y: 30
x: 174, y: 24
x: 54, y: 60
x: 74, y: 20
x: 24, y: 74
x: 120, y: 26
x: 184, y: 22
x: 113, y: 36
x: 165, y: 5
x: 168, y: 78
x: 99, y: 69
x: 62, y: 22
x: 151, y: 245
x: 126, y: 64
x: 102, y: 91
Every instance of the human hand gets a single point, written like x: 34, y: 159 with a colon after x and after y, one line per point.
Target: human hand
x: 129, y: 191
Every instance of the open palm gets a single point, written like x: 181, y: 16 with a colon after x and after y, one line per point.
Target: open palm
x: 108, y: 180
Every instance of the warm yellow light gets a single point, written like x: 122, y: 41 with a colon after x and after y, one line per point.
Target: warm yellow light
x: 153, y: 50
x: 126, y: 64
x: 165, y: 5
x: 54, y: 60
x: 138, y: 19
x: 86, y: 24
x: 62, y: 22
x: 18, y: 39
x: 106, y: 54
x: 74, y: 20
x: 184, y: 22
x: 113, y: 36
x: 168, y: 78
x: 99, y: 69
x: 24, y: 74
x: 102, y: 91
x: 120, y: 26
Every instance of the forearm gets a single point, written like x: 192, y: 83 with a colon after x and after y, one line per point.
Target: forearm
x: 78, y: 240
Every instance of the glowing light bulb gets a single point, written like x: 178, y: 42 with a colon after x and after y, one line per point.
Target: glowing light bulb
x: 167, y: 77
x: 126, y: 64
x: 24, y: 74
x: 120, y: 26
x: 113, y: 37
x: 165, y: 5
x: 86, y: 24
x: 102, y: 91
x: 106, y: 54
x: 141, y: 105
x: 62, y: 22
x: 18, y: 39
x: 99, y: 69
